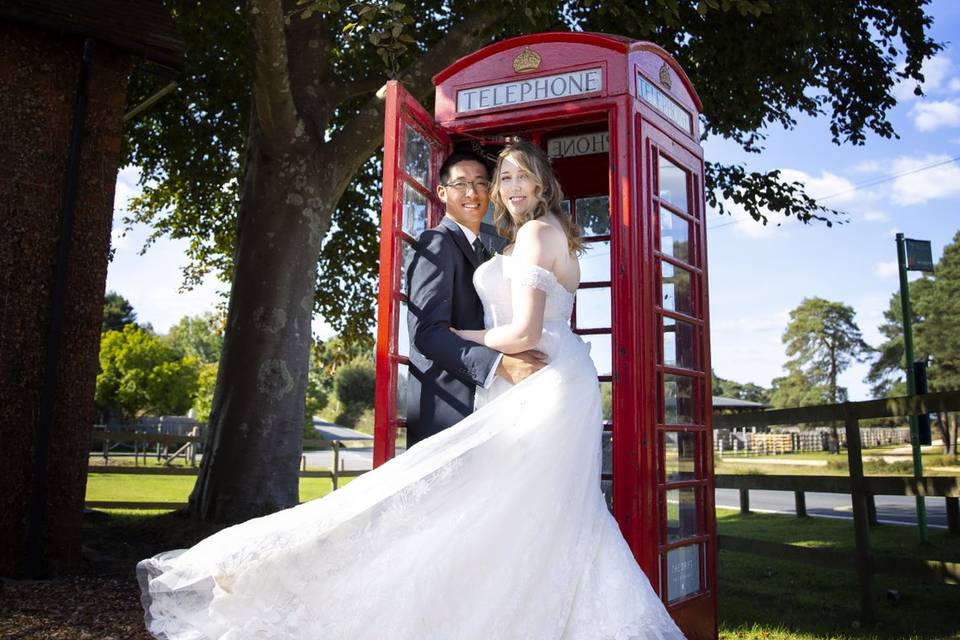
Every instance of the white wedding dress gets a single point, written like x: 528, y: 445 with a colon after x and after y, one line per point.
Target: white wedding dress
x: 494, y: 529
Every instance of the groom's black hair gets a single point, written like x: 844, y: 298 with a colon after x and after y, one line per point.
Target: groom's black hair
x: 458, y: 156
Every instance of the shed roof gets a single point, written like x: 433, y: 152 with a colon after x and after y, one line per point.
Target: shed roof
x: 142, y: 27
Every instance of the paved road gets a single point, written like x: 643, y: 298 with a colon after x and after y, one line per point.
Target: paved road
x: 890, y: 509
x: 352, y: 458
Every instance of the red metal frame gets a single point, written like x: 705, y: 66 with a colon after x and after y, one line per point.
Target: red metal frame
x: 638, y: 132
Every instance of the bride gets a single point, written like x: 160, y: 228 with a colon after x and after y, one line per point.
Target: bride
x: 493, y: 529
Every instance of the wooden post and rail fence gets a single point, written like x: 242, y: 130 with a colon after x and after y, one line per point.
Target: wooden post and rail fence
x: 860, y: 487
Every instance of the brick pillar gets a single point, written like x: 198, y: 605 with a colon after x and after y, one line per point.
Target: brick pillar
x: 39, y: 72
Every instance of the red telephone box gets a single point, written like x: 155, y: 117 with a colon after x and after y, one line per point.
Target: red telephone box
x: 618, y: 118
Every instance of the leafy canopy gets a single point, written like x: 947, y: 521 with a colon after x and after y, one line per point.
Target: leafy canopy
x: 756, y: 64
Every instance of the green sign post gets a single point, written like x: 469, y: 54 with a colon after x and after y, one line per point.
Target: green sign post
x: 913, y: 255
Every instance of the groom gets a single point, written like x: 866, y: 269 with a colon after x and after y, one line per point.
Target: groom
x: 445, y: 370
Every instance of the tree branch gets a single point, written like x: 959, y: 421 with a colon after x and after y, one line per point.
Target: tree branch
x: 275, y: 108
x: 361, y: 137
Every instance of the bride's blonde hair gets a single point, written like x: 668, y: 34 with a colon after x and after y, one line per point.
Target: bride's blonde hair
x: 534, y: 161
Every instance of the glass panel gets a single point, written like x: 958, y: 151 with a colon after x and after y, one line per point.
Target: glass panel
x: 402, y: 378
x: 683, y: 571
x: 681, y: 513
x: 674, y: 236
x: 673, y: 184
x: 601, y: 350
x: 416, y: 156
x: 406, y: 257
x: 595, y: 262
x: 403, y: 334
x: 678, y: 400
x: 675, y: 283
x: 401, y: 441
x: 606, y: 439
x: 593, y: 215
x: 606, y: 400
x: 679, y: 456
x: 414, y: 211
x: 593, y: 308
x: 565, y: 206
x: 678, y: 343
x: 607, y: 487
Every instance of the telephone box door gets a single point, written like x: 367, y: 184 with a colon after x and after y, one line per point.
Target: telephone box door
x: 413, y: 149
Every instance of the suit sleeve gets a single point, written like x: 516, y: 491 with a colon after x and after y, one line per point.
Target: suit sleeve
x: 431, y: 286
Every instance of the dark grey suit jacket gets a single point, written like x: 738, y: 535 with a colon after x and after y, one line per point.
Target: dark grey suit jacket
x: 444, y: 369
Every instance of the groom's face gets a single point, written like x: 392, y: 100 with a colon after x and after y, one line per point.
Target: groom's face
x: 464, y: 203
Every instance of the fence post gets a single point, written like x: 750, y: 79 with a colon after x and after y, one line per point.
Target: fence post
x: 800, y: 498
x: 861, y: 519
x: 953, y: 514
x: 745, y: 501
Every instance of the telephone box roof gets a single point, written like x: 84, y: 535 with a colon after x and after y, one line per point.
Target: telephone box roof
x: 617, y: 43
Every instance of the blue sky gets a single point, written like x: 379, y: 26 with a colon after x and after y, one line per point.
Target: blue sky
x: 757, y: 274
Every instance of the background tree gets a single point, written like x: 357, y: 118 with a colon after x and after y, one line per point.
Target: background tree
x: 886, y: 375
x: 738, y: 390
x: 354, y: 388
x: 265, y: 158
x: 198, y: 336
x: 117, y: 312
x: 140, y: 374
x: 822, y: 340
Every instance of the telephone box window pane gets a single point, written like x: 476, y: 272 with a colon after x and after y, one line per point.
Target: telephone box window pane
x: 407, y: 252
x: 606, y: 443
x: 683, y: 572
x: 595, y: 262
x: 416, y: 156
x: 674, y: 236
x: 678, y: 400
x: 681, y: 514
x: 606, y: 400
x: 601, y: 351
x: 565, y: 206
x: 675, y: 288
x: 593, y: 308
x: 679, y: 456
x: 678, y: 343
x: 414, y: 211
x: 673, y: 184
x: 403, y: 336
x: 403, y: 376
x: 593, y: 215
x: 607, y: 487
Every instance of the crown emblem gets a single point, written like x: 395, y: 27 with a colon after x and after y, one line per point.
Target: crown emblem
x: 665, y: 78
x: 528, y: 60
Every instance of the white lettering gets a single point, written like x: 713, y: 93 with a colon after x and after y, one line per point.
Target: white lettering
x: 664, y: 104
x: 564, y: 85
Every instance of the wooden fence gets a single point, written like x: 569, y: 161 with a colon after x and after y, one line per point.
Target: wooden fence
x: 861, y: 489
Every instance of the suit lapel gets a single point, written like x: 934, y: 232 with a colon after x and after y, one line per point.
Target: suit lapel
x: 454, y: 230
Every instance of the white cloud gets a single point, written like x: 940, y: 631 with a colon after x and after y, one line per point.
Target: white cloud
x: 941, y: 181
x: 935, y: 72
x: 867, y: 166
x: 119, y: 238
x: 874, y: 215
x: 954, y: 84
x: 930, y: 116
x: 886, y: 270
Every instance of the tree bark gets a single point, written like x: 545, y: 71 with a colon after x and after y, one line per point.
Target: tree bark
x: 293, y: 179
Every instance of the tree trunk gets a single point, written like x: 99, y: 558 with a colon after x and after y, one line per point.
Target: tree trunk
x: 252, y: 455
x: 293, y: 179
x: 944, y: 428
x: 954, y: 430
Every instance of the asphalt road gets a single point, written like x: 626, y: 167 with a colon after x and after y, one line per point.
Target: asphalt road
x: 890, y: 509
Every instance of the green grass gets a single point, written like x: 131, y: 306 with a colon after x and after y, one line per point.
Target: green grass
x: 157, y: 488
x: 764, y: 599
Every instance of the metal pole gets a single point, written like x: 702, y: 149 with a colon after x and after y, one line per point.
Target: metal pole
x: 911, y: 381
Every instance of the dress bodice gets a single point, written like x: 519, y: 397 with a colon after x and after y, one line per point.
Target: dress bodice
x: 493, y: 279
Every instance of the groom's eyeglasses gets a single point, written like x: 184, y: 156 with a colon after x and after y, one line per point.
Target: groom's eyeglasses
x: 480, y: 186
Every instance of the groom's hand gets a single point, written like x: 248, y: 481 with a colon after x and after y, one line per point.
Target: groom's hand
x: 515, y: 367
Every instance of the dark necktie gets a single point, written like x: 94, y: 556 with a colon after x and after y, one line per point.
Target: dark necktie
x: 480, y: 250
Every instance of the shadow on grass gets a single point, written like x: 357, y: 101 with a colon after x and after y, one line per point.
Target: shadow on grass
x: 771, y: 599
